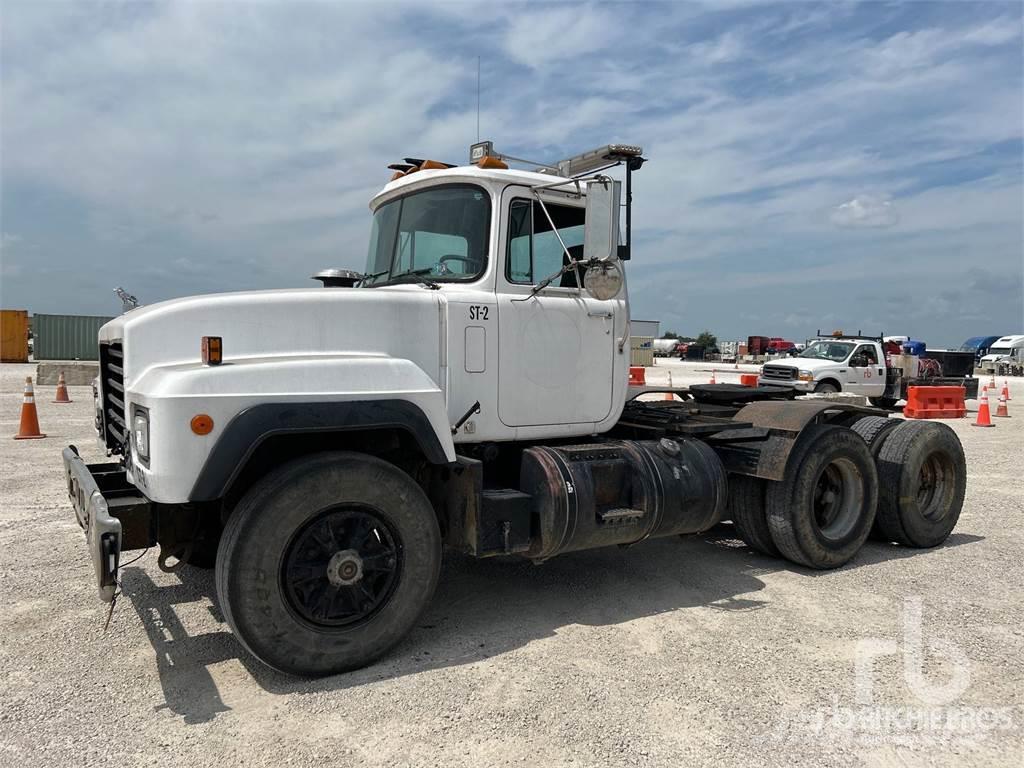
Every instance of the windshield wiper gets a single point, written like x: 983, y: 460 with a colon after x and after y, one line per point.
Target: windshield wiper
x: 414, y: 276
x: 372, y: 275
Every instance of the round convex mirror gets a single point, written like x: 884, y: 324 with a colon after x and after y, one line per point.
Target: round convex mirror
x: 603, y: 280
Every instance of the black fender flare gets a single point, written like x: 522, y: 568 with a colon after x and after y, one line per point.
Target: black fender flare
x: 252, y: 426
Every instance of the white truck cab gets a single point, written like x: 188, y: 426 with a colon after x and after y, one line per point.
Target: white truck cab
x: 322, y: 447
x: 1004, y: 350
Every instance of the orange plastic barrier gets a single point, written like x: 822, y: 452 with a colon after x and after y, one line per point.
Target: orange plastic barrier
x: 935, y: 403
x: 748, y: 379
x: 637, y: 376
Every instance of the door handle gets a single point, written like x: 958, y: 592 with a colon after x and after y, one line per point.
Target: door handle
x: 602, y: 313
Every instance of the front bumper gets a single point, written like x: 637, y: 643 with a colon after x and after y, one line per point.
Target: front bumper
x: 102, y: 498
x: 799, y: 386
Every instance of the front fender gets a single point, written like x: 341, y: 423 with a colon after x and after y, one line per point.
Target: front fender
x: 252, y: 399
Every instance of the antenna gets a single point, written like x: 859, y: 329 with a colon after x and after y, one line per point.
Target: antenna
x: 478, y: 99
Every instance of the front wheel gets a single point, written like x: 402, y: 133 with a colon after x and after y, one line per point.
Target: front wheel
x: 327, y: 563
x: 826, y: 387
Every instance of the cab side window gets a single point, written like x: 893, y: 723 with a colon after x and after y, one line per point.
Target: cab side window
x: 534, y: 251
x: 866, y: 351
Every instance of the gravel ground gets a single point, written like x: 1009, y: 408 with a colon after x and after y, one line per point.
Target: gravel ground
x: 683, y: 651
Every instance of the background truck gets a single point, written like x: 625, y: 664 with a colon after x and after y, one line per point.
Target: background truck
x: 870, y: 366
x: 780, y: 346
x: 664, y: 347
x: 1005, y: 355
x: 979, y: 345
x: 321, y: 447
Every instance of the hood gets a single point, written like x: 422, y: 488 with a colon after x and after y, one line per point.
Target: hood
x: 400, y: 321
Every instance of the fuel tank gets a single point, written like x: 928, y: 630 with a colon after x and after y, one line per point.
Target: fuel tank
x: 620, y: 492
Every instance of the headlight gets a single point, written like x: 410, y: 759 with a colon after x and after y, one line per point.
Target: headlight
x: 806, y: 376
x: 140, y: 433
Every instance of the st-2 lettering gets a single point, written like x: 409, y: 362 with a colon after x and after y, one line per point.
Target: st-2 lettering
x: 477, y: 312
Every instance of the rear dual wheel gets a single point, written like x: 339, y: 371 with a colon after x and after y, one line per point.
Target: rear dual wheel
x: 923, y: 477
x: 747, y: 512
x: 821, y: 512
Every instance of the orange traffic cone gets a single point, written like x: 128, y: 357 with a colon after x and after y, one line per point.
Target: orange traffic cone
x: 29, y: 427
x: 992, y: 381
x: 669, y: 395
x: 712, y: 376
x: 62, y: 390
x: 984, y: 418
x: 1001, y: 409
x: 1006, y: 390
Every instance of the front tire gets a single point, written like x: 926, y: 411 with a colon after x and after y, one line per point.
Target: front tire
x: 327, y: 563
x: 821, y: 512
x: 826, y: 387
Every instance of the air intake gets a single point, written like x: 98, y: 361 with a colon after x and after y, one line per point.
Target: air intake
x: 338, y: 278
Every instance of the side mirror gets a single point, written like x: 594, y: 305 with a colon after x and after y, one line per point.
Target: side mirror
x: 859, y: 361
x: 601, y: 233
x: 603, y: 280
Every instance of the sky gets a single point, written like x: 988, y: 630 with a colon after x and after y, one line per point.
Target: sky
x: 811, y: 165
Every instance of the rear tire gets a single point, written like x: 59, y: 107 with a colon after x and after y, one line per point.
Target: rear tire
x: 883, y: 402
x: 923, y: 477
x: 746, y: 506
x: 821, y: 512
x: 327, y: 562
x: 874, y: 430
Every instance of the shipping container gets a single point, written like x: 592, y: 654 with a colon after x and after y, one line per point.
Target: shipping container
x: 757, y: 345
x: 66, y: 337
x: 641, y: 351
x: 14, y: 335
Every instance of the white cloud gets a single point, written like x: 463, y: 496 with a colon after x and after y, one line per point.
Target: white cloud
x: 865, y: 212
x: 7, y: 239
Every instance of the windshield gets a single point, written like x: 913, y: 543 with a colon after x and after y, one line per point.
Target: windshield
x: 440, y: 233
x: 836, y: 351
x: 1000, y: 351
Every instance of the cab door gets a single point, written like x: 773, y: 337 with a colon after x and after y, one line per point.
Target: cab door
x: 556, y: 345
x: 864, y: 374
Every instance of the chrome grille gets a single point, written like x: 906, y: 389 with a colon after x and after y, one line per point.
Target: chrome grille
x: 115, y: 423
x: 779, y: 372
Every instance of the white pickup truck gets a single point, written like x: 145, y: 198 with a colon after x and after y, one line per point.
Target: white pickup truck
x: 858, y: 364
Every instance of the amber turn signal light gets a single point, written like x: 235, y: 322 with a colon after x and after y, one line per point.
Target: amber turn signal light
x: 202, y: 424
x: 212, y: 350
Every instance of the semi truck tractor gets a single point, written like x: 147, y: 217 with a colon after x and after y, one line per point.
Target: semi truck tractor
x: 469, y: 391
